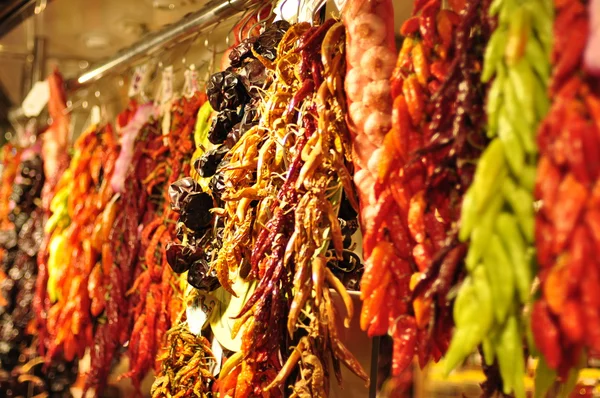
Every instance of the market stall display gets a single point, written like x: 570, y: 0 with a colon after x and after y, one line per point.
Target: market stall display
x: 214, y: 238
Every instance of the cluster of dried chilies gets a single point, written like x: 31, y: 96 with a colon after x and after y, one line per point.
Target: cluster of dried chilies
x: 469, y: 160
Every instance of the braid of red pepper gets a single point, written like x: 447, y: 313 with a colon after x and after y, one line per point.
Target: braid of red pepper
x: 388, y: 245
x: 158, y: 297
x: 437, y: 124
x: 566, y: 319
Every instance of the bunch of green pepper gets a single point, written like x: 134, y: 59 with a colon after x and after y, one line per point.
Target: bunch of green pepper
x: 498, y: 209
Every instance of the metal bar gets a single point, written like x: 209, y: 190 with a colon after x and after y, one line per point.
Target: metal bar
x: 38, y: 69
x: 213, y: 12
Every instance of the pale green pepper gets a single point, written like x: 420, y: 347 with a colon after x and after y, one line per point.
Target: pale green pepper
x: 501, y: 277
x: 508, y: 231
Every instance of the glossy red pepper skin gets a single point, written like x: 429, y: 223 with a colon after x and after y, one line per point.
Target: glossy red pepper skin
x: 566, y: 320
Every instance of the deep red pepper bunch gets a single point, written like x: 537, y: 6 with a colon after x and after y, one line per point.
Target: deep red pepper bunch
x: 155, y: 289
x: 566, y: 319
x: 438, y: 119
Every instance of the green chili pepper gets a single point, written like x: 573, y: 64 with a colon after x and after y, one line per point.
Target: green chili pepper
x: 506, y: 13
x: 500, y: 274
x: 543, y: 22
x: 542, y: 102
x: 474, y: 207
x: 482, y: 232
x: 488, y: 348
x: 508, y: 231
x: 510, y: 358
x: 202, y: 124
x: 490, y: 168
x: 527, y: 177
x: 468, y: 216
x: 485, y: 315
x: 511, y: 102
x: 464, y: 299
x: 494, y: 53
x: 538, y: 58
x: 495, y: 7
x: 521, y: 202
x: 522, y: 79
x: 512, y: 143
x: 519, y: 31
x: 476, y: 317
x: 494, y: 102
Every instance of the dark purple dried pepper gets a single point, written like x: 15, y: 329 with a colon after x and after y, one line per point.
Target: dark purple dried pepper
x: 206, y: 166
x: 225, y: 90
x: 221, y: 126
x: 242, y: 51
x: 195, y: 211
x: 179, y: 191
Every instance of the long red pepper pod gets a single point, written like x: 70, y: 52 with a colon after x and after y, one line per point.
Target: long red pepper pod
x: 566, y: 319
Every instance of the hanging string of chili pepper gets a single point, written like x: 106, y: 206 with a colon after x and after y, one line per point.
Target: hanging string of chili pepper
x: 56, y: 160
x: 21, y: 229
x: 427, y: 153
x: 110, y: 278
x: 202, y: 232
x: 455, y: 142
x: 322, y: 181
x: 565, y: 319
x: 498, y: 209
x: 265, y: 165
x: 156, y: 290
x: 86, y: 193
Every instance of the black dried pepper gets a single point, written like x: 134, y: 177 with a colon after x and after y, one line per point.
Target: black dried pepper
x: 207, y: 165
x: 225, y: 90
x: 201, y: 277
x: 195, y: 211
x: 180, y: 190
x: 221, y: 125
x: 242, y: 51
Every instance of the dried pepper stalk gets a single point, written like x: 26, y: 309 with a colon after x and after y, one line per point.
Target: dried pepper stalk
x: 498, y: 209
x: 565, y: 320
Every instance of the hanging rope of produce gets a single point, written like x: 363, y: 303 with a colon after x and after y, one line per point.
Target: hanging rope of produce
x: 73, y: 251
x: 565, y: 318
x: 498, y: 209
x: 424, y: 168
x: 56, y: 160
x: 268, y: 175
x: 156, y: 290
x: 21, y: 230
